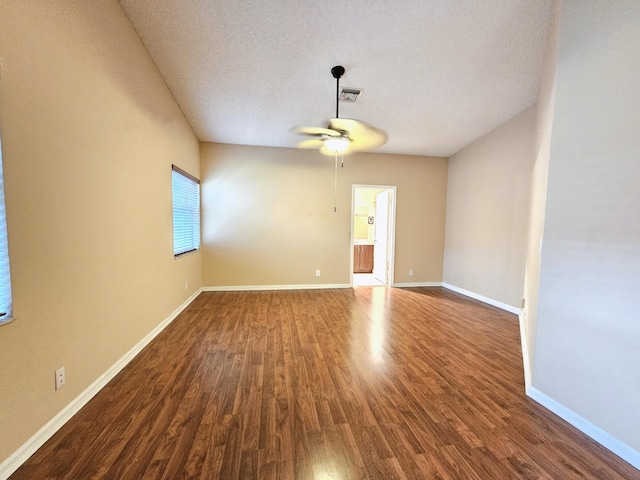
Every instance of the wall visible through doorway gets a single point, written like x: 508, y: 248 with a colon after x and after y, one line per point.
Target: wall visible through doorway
x: 372, y: 241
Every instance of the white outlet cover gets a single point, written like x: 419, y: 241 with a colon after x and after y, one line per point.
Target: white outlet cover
x: 60, y: 378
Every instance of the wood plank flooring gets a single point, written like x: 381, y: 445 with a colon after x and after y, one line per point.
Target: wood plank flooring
x: 365, y: 383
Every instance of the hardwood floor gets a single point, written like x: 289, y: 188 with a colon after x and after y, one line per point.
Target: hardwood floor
x: 366, y: 383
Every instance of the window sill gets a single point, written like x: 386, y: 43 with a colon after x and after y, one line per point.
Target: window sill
x: 180, y: 255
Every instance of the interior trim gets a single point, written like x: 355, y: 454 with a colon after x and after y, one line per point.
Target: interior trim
x: 482, y: 298
x: 624, y: 451
x: 417, y: 284
x: 243, y: 288
x: 525, y: 352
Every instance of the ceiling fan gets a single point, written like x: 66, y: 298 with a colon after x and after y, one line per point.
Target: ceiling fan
x: 342, y: 135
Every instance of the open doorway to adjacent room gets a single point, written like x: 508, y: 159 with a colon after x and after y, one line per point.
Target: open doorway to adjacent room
x: 373, y: 221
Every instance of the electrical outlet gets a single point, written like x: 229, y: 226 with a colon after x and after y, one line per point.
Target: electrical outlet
x: 186, y: 285
x: 411, y: 273
x: 60, y: 378
x: 317, y: 273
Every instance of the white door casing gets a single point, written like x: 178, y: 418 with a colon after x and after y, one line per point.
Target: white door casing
x: 381, y: 245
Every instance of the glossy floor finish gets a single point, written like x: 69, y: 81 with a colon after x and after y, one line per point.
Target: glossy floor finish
x: 365, y: 383
x: 366, y: 280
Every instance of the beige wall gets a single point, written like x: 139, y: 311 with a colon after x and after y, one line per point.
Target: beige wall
x: 268, y: 215
x: 487, y: 211
x: 365, y: 207
x: 588, y: 330
x: 89, y: 132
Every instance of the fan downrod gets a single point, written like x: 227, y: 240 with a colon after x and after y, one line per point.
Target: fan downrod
x: 337, y: 72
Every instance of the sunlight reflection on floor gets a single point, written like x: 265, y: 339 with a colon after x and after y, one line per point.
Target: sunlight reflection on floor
x: 366, y: 280
x: 378, y: 327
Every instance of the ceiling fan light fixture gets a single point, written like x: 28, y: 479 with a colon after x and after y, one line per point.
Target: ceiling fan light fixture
x: 337, y: 145
x: 342, y: 135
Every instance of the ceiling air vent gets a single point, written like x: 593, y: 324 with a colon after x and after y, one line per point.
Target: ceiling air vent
x: 350, y: 95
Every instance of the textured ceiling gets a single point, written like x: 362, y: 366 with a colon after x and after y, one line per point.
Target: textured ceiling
x: 436, y: 74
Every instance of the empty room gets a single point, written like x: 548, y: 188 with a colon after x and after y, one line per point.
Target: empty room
x: 319, y: 240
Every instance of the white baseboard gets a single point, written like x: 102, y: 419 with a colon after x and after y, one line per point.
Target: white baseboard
x: 482, y: 298
x: 418, y: 284
x: 17, y: 458
x: 605, y: 439
x: 244, y: 288
x: 525, y: 353
x: 510, y: 309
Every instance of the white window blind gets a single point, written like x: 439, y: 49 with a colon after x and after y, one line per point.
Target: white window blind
x: 6, y: 307
x: 186, y: 212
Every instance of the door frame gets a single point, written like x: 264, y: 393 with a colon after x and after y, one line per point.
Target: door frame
x: 392, y: 228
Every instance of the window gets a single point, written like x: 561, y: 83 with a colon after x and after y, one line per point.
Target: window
x: 6, y: 307
x: 186, y: 212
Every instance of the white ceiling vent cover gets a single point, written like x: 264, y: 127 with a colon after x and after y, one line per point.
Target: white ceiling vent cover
x: 350, y: 95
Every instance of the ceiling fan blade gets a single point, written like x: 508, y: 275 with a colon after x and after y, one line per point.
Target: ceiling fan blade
x: 315, y: 131
x: 364, y: 137
x: 310, y: 143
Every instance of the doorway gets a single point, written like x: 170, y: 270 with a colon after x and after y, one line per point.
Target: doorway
x: 373, y: 211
